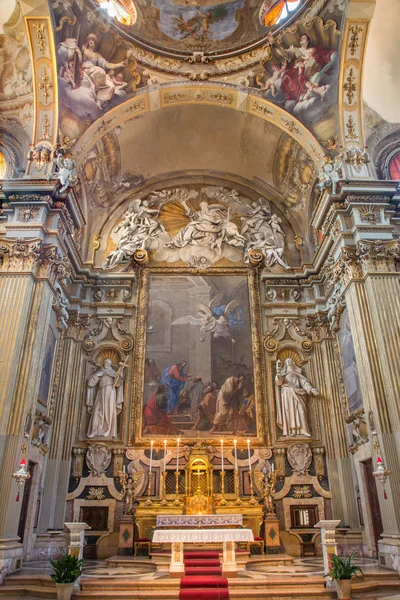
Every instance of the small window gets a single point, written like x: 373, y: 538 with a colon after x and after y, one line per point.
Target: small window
x: 279, y: 11
x: 303, y: 517
x: 394, y: 167
x: 3, y: 166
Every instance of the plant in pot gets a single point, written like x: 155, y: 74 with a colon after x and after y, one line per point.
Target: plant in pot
x: 66, y: 571
x: 341, y: 572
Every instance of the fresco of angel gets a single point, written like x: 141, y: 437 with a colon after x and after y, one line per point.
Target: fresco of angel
x: 217, y: 318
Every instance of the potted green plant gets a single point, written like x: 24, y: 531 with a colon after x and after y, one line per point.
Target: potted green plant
x: 341, y: 572
x: 66, y: 571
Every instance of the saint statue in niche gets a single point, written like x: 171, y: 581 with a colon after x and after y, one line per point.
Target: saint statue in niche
x: 291, y: 390
x: 107, y: 404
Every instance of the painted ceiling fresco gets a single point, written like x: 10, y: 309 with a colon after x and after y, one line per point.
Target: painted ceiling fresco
x: 205, y: 25
x: 293, y: 63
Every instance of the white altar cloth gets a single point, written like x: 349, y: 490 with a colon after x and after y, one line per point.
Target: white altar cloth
x: 199, y: 520
x: 202, y: 536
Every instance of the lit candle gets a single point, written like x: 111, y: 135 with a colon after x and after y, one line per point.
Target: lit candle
x: 177, y: 455
x: 151, y: 454
x: 248, y: 449
x: 235, y: 450
x: 165, y: 455
x: 222, y: 455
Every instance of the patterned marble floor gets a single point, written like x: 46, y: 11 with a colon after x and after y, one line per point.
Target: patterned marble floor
x: 255, y: 569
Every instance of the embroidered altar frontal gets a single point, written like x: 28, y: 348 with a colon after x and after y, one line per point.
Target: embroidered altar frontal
x: 199, y: 520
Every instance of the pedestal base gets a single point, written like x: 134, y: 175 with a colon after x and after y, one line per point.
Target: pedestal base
x: 389, y: 552
x: 10, y: 556
x: 51, y: 545
x: 177, y: 567
x: 229, y: 564
x: 125, y: 538
x: 271, y: 534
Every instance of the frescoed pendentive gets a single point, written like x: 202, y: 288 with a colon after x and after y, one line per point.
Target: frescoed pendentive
x: 300, y: 71
x: 95, y: 72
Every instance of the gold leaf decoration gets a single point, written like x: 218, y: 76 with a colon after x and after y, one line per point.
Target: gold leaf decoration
x: 302, y: 491
x: 95, y: 493
x: 290, y: 353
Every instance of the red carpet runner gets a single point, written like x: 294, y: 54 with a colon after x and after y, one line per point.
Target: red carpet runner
x: 203, y: 577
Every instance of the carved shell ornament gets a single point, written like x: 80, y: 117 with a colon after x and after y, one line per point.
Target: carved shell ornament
x: 290, y: 353
x: 108, y: 353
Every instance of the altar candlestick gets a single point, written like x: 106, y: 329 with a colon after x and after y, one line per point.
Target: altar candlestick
x: 165, y: 455
x: 177, y: 454
x: 235, y: 450
x: 248, y: 449
x: 222, y: 455
x: 151, y: 455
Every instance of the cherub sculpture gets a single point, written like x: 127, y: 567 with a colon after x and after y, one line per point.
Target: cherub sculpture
x: 67, y: 173
x: 329, y: 174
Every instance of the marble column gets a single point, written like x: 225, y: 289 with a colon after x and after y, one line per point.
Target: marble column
x: 374, y: 313
x: 52, y: 514
x: 25, y: 308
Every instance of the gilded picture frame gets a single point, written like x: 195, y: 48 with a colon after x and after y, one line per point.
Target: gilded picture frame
x: 260, y: 436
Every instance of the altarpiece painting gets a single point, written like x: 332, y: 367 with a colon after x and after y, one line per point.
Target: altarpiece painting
x: 198, y: 375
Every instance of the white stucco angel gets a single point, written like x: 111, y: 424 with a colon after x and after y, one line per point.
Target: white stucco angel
x: 138, y: 228
x: 105, y: 405
x: 329, y: 174
x: 258, y: 218
x: 210, y: 226
x: 272, y: 252
x: 67, y: 173
x: 291, y: 389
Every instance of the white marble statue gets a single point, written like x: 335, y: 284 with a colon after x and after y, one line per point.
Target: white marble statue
x: 272, y: 253
x: 106, y: 404
x: 67, y: 173
x: 263, y: 232
x: 329, y: 174
x: 291, y: 388
x: 138, y: 228
x: 209, y: 227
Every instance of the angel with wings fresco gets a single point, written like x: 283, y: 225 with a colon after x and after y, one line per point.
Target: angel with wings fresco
x: 217, y: 318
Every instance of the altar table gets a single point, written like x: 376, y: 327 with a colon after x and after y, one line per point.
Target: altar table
x: 177, y: 537
x: 199, y: 520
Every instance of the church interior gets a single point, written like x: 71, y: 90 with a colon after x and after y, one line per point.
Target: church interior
x: 199, y: 299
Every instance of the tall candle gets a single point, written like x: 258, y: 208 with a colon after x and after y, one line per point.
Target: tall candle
x: 124, y: 469
x: 273, y: 466
x: 177, y: 455
x: 165, y: 455
x: 151, y: 454
x: 222, y: 455
x: 248, y: 450
x: 235, y: 450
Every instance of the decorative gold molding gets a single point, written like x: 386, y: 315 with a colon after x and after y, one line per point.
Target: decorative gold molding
x: 350, y: 87
x: 354, y: 39
x: 45, y: 90
x: 41, y: 41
